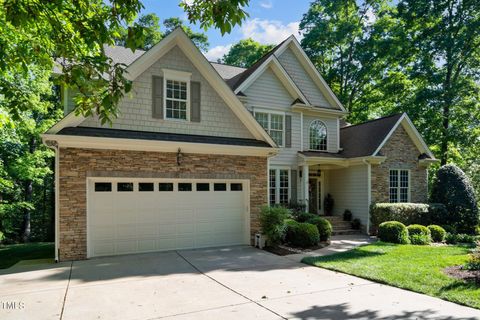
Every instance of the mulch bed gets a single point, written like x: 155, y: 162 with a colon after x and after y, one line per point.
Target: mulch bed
x: 283, y: 250
x: 458, y: 272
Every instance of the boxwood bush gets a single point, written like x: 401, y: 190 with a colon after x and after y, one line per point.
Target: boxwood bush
x: 323, y: 225
x: 301, y: 234
x: 393, y: 231
x: 437, y: 232
x: 272, y: 223
x: 406, y: 213
x: 453, y: 188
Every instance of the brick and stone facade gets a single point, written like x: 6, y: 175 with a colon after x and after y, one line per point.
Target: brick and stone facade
x: 401, y: 153
x: 76, y: 165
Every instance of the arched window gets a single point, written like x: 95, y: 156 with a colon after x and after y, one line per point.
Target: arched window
x: 318, y: 135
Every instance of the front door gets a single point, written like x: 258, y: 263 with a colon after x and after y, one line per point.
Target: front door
x: 315, y: 195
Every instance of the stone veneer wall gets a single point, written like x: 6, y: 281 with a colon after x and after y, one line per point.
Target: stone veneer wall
x: 78, y: 164
x: 401, y: 153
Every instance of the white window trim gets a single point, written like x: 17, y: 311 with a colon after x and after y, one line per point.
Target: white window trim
x: 175, y: 75
x: 269, y: 113
x: 398, y: 185
x: 277, y: 183
x: 310, y: 136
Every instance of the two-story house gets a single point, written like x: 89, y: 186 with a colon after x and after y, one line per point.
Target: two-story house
x: 199, y: 147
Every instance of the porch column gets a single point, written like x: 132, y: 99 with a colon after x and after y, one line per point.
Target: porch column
x: 305, y: 186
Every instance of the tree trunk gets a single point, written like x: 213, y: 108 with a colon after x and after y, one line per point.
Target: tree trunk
x: 28, y: 195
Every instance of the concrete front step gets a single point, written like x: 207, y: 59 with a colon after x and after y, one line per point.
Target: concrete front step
x: 337, y: 232
x: 341, y: 227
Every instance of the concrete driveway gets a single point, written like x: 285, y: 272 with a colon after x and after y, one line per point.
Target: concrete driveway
x: 222, y: 283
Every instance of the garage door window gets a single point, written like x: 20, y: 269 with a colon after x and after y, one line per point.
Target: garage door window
x: 220, y: 187
x: 165, y: 186
x: 203, y: 187
x: 235, y: 187
x: 103, y: 187
x: 184, y: 187
x: 125, y: 186
x: 145, y: 186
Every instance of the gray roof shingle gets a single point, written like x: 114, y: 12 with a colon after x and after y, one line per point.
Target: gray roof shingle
x: 159, y: 136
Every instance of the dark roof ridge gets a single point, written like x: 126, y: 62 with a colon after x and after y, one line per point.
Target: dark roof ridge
x: 373, y: 120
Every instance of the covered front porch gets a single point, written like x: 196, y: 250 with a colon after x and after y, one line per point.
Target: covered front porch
x: 346, y: 180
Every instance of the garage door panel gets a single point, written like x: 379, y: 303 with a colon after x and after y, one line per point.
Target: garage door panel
x: 143, y: 221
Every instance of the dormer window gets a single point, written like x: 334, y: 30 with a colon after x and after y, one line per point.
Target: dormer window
x: 318, y: 136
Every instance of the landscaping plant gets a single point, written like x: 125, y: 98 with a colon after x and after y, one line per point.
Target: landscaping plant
x: 323, y: 225
x: 347, y: 215
x: 453, y: 188
x: 272, y: 223
x: 393, y: 231
x: 474, y: 259
x: 356, y: 224
x: 301, y: 234
x: 406, y: 213
x: 438, y: 233
x: 453, y: 238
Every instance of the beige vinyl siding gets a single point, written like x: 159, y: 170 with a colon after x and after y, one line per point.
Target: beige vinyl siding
x: 268, y: 93
x: 303, y: 80
x: 332, y: 132
x: 349, y: 189
x: 217, y: 119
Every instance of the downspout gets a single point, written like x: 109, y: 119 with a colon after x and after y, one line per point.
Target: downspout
x: 54, y: 146
x: 369, y: 193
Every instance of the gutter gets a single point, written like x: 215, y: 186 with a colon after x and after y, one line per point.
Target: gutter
x: 52, y: 144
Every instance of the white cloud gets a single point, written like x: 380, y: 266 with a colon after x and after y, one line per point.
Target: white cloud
x: 269, y: 31
x: 217, y: 52
x: 266, y: 4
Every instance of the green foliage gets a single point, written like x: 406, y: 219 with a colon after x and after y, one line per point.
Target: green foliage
x: 301, y: 234
x: 420, y: 239
x: 452, y: 238
x: 356, y: 224
x: 303, y: 216
x: 393, y: 231
x: 406, y: 213
x: 272, y: 223
x: 347, y: 215
x: 474, y: 259
x: 245, y: 53
x: 419, y: 234
x: 453, y: 189
x: 323, y: 225
x: 438, y: 233
x: 224, y: 15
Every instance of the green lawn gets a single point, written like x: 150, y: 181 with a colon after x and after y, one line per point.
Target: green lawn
x: 416, y: 268
x: 11, y: 254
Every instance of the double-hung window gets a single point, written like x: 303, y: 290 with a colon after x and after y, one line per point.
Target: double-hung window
x: 399, y: 190
x: 279, y: 186
x: 177, y: 87
x: 274, y: 124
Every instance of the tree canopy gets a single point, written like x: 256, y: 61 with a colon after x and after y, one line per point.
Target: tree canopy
x: 245, y: 53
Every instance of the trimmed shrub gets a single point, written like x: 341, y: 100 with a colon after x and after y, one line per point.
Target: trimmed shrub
x: 438, y: 214
x: 420, y: 239
x: 347, y: 215
x: 324, y: 227
x: 418, y: 229
x: 437, y: 232
x: 272, y: 223
x: 452, y: 238
x: 296, y: 207
x: 303, y: 216
x: 453, y: 188
x: 393, y: 231
x: 301, y: 234
x: 406, y: 213
x: 356, y: 224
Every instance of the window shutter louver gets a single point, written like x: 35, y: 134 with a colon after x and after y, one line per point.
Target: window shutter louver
x: 195, y: 94
x: 288, y: 131
x: 157, y: 97
x: 293, y: 184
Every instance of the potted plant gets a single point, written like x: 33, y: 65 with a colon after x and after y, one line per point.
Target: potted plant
x: 347, y: 215
x: 356, y: 224
x: 328, y: 203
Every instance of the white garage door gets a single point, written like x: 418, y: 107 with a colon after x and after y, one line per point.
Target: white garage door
x: 142, y: 215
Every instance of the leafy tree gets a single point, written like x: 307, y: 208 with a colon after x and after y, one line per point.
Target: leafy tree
x: 152, y: 32
x: 454, y: 190
x: 245, y: 53
x: 344, y: 41
x: 439, y: 43
x: 34, y: 32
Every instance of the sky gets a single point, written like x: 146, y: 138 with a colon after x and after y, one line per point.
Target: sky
x: 270, y: 22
